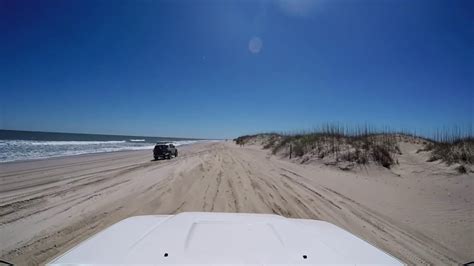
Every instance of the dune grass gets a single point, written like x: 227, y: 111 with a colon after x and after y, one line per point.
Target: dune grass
x: 457, y: 151
x: 360, y: 145
x: 364, y: 145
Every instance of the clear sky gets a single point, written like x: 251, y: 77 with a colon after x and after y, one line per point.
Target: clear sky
x: 219, y: 69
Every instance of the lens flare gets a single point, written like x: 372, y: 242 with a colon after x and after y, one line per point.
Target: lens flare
x: 255, y: 45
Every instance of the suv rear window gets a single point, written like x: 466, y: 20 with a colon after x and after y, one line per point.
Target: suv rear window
x: 161, y: 147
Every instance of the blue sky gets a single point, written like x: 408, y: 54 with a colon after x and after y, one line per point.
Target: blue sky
x: 218, y: 69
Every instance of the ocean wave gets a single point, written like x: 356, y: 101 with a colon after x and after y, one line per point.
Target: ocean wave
x: 54, y: 154
x: 15, y: 150
x: 183, y: 142
x: 53, y: 143
x: 59, y: 143
x: 137, y: 140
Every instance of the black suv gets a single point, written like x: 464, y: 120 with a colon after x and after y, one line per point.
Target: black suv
x: 164, y: 151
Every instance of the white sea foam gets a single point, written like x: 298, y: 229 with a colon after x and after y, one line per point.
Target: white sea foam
x: 137, y: 140
x: 183, y: 142
x: 53, y: 143
x: 57, y: 143
x: 14, y: 150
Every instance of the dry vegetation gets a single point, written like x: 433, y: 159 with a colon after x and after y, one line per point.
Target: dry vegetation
x: 362, y: 145
x: 334, y: 144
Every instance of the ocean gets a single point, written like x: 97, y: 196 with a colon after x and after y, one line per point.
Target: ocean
x: 27, y: 145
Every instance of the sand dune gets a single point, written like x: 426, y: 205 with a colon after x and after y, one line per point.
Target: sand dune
x: 420, y: 213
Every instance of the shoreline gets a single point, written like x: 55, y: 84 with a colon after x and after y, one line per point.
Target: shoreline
x: 94, y: 153
x: 68, y: 156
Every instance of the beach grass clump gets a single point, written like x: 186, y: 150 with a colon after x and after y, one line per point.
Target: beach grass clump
x: 452, y: 146
x: 362, y: 145
x: 338, y: 144
x: 262, y: 139
x: 270, y: 140
x: 382, y: 155
x: 453, y: 151
x: 242, y: 140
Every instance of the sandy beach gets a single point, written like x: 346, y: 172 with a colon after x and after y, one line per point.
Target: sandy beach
x: 419, y: 212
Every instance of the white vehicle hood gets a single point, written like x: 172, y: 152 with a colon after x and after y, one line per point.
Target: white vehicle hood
x: 223, y: 238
